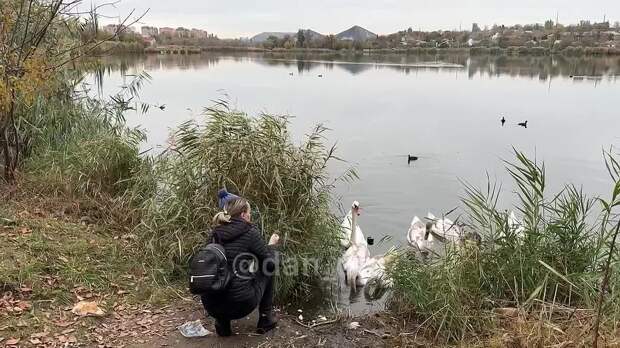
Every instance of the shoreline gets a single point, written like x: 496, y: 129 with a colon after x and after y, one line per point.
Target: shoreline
x: 473, y: 51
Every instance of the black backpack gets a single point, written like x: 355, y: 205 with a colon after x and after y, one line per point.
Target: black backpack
x: 208, y: 270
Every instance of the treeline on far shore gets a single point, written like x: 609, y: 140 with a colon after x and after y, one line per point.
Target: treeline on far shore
x: 514, y: 50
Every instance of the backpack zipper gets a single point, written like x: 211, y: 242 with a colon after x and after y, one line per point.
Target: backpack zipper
x: 191, y: 279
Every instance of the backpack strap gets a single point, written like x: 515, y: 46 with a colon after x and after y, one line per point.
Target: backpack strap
x: 215, y: 237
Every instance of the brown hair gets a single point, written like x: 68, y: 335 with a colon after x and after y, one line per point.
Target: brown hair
x: 233, y: 209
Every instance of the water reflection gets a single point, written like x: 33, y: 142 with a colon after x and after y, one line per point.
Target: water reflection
x: 542, y: 68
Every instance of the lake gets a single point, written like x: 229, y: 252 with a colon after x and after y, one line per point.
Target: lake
x: 444, y: 109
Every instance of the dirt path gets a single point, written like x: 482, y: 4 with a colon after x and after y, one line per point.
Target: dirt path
x: 158, y: 328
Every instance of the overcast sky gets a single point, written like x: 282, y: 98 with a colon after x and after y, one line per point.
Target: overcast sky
x: 235, y: 18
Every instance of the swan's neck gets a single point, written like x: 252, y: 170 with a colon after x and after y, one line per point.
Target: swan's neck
x: 356, y: 238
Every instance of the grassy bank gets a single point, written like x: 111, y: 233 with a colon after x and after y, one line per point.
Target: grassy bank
x: 90, y: 218
x: 549, y: 274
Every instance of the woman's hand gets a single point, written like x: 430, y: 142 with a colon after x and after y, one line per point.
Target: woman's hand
x: 274, y: 239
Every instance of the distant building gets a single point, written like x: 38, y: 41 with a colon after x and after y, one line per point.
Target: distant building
x: 198, y: 34
x: 117, y: 28
x: 149, y: 31
x: 613, y: 35
x: 166, y: 31
x: 149, y: 40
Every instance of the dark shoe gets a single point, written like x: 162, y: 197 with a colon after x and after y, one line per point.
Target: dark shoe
x: 222, y: 328
x: 266, y: 323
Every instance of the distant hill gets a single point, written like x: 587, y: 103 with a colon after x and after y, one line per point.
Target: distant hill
x: 356, y: 33
x: 262, y: 37
x: 311, y: 35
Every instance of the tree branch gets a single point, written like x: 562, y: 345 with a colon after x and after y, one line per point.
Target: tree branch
x: 120, y: 29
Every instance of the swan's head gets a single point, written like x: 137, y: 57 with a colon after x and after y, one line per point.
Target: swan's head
x: 355, y: 208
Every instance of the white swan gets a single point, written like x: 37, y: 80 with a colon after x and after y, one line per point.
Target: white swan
x: 375, y: 267
x: 515, y: 225
x: 419, y: 237
x: 430, y: 238
x: 445, y: 229
x: 347, y: 226
x: 356, y: 255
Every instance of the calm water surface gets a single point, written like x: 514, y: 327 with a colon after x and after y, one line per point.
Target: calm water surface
x: 380, y: 109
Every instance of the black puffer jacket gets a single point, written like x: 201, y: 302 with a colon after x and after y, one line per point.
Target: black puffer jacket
x: 243, y: 243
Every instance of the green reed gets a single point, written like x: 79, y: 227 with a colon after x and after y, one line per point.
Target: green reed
x: 555, y: 261
x: 287, y: 185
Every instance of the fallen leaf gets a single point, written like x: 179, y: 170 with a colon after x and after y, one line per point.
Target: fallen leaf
x: 84, y: 308
x: 35, y: 341
x: 72, y: 339
x: 23, y: 305
x: 67, y: 331
x: 12, y: 341
x: 354, y: 325
x: 62, y: 323
x: 39, y: 335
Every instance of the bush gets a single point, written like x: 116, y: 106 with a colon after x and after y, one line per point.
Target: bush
x: 556, y: 260
x: 78, y: 148
x: 445, y: 296
x: 286, y: 184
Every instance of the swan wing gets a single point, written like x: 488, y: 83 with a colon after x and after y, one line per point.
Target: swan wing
x: 352, y: 262
x: 415, y: 220
x: 368, y: 271
x: 512, y: 219
x: 345, y: 230
x: 447, y: 229
x: 515, y: 225
x: 416, y: 232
